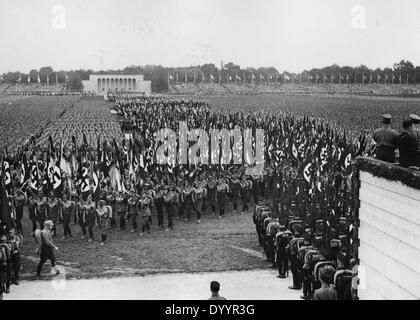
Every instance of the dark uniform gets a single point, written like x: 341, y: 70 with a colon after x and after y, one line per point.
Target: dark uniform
x: 169, y: 200
x: 271, y: 232
x: 235, y: 188
x: 68, y: 209
x: 133, y: 210
x: 53, y: 209
x: 304, y: 270
x: 294, y: 248
x: 189, y: 201
x: 16, y: 242
x: 385, y: 139
x: 90, y: 216
x: 6, y: 263
x: 282, y: 240
x: 408, y: 147
x: 121, y: 209
x: 42, y: 210
x: 415, y: 120
x: 221, y: 195
x: 245, y: 186
x: 32, y: 211
x: 111, y: 201
x: 211, y: 191
x: 199, y: 194
x: 20, y: 200
x: 159, y: 202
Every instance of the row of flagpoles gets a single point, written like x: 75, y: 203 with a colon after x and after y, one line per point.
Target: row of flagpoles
x: 19, y: 80
x: 289, y: 78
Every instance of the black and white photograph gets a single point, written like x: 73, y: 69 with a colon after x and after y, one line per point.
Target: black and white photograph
x: 201, y: 150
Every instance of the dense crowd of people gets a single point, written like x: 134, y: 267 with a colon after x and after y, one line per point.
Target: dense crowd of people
x: 305, y: 196
x: 239, y: 88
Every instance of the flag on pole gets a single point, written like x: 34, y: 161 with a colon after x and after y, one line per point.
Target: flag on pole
x: 67, y: 78
x: 39, y: 79
x: 19, y: 79
x: 29, y: 78
x: 238, y: 78
x: 286, y: 77
x: 171, y: 77
x: 211, y: 77
x: 48, y: 79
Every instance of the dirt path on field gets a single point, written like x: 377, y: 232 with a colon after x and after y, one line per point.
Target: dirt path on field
x: 247, y: 285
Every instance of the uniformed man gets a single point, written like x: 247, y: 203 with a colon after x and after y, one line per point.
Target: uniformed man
x: 221, y: 194
x: 211, y: 191
x: 235, y: 188
x: 32, y: 211
x: 415, y: 120
x: 245, y: 186
x: 90, y: 215
x: 407, y: 146
x: 266, y: 219
x: 16, y: 242
x: 68, y: 209
x: 159, y: 202
x: 385, y: 139
x: 121, y: 209
x: 282, y: 241
x: 199, y: 194
x: 6, y: 268
x: 42, y: 204
x: 53, y: 208
x: 188, y: 196
x: 294, y: 246
x: 302, y: 268
x: 104, y: 213
x: 111, y: 201
x: 169, y: 200
x: 3, y: 261
x: 19, y: 200
x: 133, y: 210
x: 47, y: 248
x: 271, y: 231
x: 146, y: 214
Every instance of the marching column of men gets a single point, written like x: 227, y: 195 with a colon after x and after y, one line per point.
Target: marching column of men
x: 291, y: 243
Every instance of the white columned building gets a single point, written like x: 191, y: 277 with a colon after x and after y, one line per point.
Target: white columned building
x: 104, y: 83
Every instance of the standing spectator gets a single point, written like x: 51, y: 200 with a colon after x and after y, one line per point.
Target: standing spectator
x: 407, y: 145
x: 385, y: 140
x: 214, y: 288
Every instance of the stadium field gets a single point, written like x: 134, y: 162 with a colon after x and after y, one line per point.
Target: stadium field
x: 214, y: 245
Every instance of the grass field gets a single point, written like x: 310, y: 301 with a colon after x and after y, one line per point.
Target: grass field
x: 354, y: 113
x: 213, y: 245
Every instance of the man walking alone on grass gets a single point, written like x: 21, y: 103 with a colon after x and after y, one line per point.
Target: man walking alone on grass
x: 47, y: 248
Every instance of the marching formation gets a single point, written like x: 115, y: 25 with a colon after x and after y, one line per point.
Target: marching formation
x: 307, y: 176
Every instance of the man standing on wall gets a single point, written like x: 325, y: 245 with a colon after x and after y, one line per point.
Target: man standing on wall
x: 385, y: 140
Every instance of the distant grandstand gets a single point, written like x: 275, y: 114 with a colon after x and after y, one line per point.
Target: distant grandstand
x: 289, y: 88
x: 35, y: 89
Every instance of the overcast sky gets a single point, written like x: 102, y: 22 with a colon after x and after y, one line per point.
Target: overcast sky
x: 289, y: 35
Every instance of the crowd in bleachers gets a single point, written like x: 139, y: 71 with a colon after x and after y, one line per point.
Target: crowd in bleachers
x: 237, y: 88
